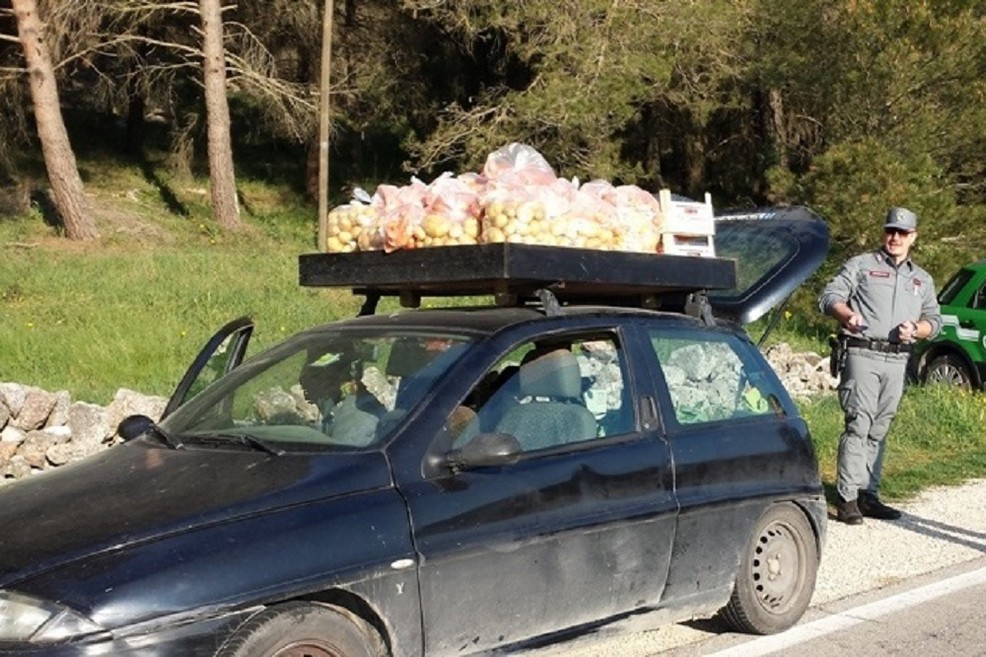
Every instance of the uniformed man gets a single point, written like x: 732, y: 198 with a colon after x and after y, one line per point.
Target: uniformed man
x: 883, y: 303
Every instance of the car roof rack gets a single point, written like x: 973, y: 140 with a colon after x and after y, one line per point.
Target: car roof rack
x: 519, y: 274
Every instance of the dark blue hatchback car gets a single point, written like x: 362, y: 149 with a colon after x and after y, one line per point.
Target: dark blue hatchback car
x: 445, y: 481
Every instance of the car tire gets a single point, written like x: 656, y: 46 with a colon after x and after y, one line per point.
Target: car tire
x: 777, y: 571
x: 296, y: 629
x: 949, y: 368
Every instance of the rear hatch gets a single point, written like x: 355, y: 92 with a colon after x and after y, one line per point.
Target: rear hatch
x: 775, y: 249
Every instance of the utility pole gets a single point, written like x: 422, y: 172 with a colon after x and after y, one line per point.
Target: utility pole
x: 323, y: 127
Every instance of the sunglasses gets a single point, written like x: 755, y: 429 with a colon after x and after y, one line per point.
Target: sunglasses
x: 897, y: 231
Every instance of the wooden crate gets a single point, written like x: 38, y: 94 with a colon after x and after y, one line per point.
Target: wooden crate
x: 686, y: 217
x: 689, y: 226
x: 688, y: 245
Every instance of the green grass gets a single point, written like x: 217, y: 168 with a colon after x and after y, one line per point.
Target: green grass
x: 936, y: 439
x: 132, y: 310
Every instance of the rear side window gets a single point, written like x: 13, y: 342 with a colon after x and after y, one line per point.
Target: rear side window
x: 714, y: 377
x: 954, y: 286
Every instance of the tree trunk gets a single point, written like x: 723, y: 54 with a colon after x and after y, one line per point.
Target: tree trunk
x: 313, y: 169
x: 694, y: 156
x: 63, y: 173
x: 774, y: 125
x: 225, y: 206
x: 135, y: 123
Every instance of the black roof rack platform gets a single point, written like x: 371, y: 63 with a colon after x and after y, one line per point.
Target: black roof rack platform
x: 513, y: 273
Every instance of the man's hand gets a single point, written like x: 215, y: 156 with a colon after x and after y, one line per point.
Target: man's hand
x: 855, y: 323
x: 908, y: 331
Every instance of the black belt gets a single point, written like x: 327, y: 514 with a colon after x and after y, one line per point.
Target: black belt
x: 882, y: 346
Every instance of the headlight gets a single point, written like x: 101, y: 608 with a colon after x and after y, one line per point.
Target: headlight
x: 23, y: 618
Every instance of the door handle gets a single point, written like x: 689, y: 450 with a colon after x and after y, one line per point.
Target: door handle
x: 648, y: 412
x: 967, y: 323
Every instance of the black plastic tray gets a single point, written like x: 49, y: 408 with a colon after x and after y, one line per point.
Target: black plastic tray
x: 515, y: 272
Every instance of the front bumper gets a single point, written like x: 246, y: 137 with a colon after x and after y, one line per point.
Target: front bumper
x: 199, y: 638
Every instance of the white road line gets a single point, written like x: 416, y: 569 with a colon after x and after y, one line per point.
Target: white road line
x: 815, y: 629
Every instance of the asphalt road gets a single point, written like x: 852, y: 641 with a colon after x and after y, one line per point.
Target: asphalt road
x: 932, y: 616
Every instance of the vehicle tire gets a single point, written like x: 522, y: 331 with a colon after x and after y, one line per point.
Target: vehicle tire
x: 949, y: 368
x: 304, y: 630
x: 777, y: 571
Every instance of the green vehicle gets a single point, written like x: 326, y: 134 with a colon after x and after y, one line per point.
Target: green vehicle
x: 958, y: 354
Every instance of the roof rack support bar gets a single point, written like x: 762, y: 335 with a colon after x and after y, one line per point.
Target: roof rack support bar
x: 410, y: 299
x: 549, y: 301
x: 369, y: 306
x: 697, y: 305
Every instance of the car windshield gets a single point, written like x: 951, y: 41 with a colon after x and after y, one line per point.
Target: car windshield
x: 319, y: 390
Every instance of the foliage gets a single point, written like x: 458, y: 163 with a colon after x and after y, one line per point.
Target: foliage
x: 848, y: 106
x: 573, y: 80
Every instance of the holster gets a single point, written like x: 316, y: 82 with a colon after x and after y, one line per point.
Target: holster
x: 837, y: 359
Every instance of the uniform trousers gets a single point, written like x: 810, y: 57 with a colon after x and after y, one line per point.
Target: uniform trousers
x: 870, y: 389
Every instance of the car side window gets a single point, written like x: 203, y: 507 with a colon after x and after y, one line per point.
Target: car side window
x: 551, y: 393
x: 713, y: 377
x: 979, y: 299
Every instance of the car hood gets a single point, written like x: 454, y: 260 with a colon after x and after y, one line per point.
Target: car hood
x: 775, y: 249
x: 139, y: 492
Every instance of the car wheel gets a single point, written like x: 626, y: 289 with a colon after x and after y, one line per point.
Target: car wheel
x: 776, y: 576
x: 950, y: 369
x: 304, y: 630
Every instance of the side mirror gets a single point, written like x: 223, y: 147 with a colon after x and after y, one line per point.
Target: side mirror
x: 486, y: 449
x: 133, y: 426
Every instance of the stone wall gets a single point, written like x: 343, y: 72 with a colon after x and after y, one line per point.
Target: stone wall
x: 40, y: 430
x: 804, y: 373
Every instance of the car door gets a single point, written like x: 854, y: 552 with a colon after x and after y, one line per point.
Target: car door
x: 570, y: 533
x: 963, y: 306
x: 738, y: 445
x: 221, y: 353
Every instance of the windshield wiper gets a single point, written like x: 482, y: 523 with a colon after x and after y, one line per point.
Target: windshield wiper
x: 240, y: 438
x: 171, y: 441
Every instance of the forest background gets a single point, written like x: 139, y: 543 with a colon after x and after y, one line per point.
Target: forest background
x: 147, y: 145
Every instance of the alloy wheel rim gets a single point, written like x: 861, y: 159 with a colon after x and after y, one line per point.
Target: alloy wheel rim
x: 948, y: 374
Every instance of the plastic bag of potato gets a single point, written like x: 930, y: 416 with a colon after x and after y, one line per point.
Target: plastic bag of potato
x: 452, y: 209
x: 353, y: 226
x: 517, y: 198
x: 518, y: 165
x: 556, y: 214
x: 402, y: 211
x: 639, y: 217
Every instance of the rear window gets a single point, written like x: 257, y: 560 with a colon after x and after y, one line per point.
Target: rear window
x: 757, y: 254
x: 713, y: 377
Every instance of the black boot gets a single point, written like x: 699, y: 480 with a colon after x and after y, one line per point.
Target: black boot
x: 848, y: 512
x: 871, y: 507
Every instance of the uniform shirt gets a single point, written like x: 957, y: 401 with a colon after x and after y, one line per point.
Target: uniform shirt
x: 884, y: 294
